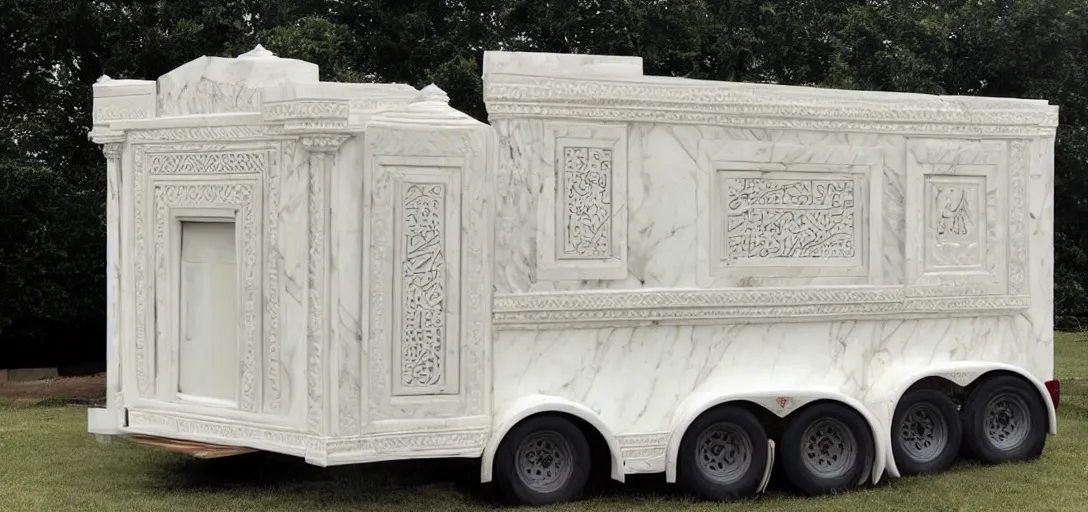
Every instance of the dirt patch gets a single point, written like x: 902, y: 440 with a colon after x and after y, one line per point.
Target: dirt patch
x: 62, y: 389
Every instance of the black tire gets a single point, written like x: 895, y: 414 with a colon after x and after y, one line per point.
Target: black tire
x: 1004, y: 420
x: 550, y: 448
x: 926, y: 433
x: 723, y: 454
x: 825, y: 448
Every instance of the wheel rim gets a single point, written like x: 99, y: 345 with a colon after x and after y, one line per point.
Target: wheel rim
x: 1007, y: 421
x: 829, y: 448
x: 923, y: 434
x: 545, y: 461
x: 724, y: 453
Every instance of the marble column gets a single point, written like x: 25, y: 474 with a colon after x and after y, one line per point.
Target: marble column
x: 112, y: 151
x: 322, y: 151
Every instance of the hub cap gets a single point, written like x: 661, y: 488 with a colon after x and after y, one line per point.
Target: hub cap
x: 724, y: 453
x: 1007, y: 421
x: 829, y: 448
x: 545, y: 461
x: 923, y: 434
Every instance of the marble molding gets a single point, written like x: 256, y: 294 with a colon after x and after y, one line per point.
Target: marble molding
x: 410, y: 282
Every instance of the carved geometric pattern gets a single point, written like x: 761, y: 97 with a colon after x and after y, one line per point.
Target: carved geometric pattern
x: 581, y: 308
x: 770, y: 218
x: 241, y: 196
x: 210, y: 163
x: 423, y: 311
x: 585, y: 184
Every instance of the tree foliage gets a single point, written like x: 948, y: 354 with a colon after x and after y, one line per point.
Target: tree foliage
x: 53, y: 189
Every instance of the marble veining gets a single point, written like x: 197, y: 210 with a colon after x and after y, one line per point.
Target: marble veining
x: 624, y: 248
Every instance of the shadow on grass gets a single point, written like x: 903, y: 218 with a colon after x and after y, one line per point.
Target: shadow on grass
x: 393, y: 483
x: 409, y: 484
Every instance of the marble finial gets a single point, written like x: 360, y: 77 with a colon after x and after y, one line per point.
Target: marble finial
x: 102, y: 79
x: 257, y: 52
x: 433, y: 93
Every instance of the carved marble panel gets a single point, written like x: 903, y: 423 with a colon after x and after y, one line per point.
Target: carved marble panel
x: 959, y: 221
x: 174, y: 182
x: 192, y: 201
x: 426, y: 285
x: 582, y: 216
x: 408, y: 174
x: 785, y: 210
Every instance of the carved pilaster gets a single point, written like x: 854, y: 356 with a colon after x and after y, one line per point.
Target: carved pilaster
x: 322, y: 149
x: 112, y: 149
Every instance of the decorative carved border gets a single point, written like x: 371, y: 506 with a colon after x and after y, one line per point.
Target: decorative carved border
x: 939, y: 159
x: 322, y: 158
x: 142, y: 191
x: 550, y: 232
x: 230, y: 162
x: 354, y: 449
x: 204, y: 133
x: 548, y: 310
x: 408, y: 148
x: 657, y: 99
x: 241, y: 197
x: 859, y: 164
x: 1019, y: 165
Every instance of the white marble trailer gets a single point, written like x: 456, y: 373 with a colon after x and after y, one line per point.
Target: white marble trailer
x: 620, y: 272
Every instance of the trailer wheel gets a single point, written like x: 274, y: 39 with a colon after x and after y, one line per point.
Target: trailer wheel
x: 1004, y: 420
x: 826, y: 447
x: 541, y: 461
x: 723, y: 454
x: 926, y: 432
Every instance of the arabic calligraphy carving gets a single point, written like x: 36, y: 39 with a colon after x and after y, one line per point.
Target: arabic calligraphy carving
x: 424, y: 275
x: 785, y: 218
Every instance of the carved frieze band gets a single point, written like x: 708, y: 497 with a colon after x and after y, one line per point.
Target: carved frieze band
x: 753, y: 106
x: 232, y: 162
x: 205, y: 133
x: 741, y: 305
x: 582, y: 215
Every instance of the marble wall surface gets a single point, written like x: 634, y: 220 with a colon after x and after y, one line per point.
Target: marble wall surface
x: 657, y: 238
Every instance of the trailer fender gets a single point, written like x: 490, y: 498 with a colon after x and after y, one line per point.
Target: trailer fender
x: 512, y: 413
x: 885, y: 393
x: 780, y: 402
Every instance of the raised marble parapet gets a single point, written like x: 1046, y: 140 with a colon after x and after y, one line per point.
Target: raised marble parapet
x: 116, y: 100
x: 678, y: 100
x: 212, y: 85
x: 528, y: 63
x: 310, y: 106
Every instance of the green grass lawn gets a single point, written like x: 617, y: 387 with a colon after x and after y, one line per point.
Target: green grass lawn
x: 48, y: 462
